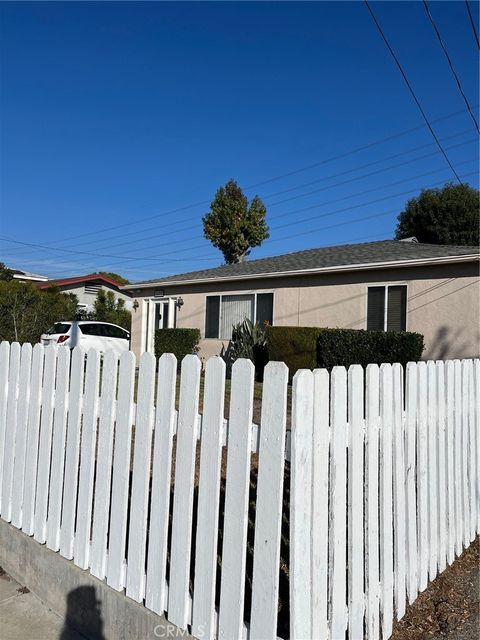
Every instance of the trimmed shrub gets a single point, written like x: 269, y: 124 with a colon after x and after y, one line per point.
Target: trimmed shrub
x: 180, y: 342
x: 310, y: 347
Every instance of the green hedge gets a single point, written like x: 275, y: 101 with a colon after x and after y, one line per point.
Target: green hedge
x: 310, y: 347
x: 180, y: 342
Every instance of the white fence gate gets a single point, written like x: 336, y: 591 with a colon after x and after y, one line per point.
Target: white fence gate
x: 374, y: 493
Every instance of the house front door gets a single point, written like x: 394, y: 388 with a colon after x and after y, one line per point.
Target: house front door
x: 160, y: 314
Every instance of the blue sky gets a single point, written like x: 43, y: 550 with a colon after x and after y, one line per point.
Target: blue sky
x: 119, y: 121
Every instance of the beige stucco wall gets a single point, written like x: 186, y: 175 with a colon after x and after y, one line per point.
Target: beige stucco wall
x: 443, y: 303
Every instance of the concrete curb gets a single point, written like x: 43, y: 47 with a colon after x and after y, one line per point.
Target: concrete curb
x: 85, y: 603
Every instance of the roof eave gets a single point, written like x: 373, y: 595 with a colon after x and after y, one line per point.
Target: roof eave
x: 301, y: 272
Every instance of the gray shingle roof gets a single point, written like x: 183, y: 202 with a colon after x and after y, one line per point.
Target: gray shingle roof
x: 324, y: 257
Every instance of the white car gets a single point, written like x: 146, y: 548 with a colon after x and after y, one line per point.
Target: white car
x: 88, y: 334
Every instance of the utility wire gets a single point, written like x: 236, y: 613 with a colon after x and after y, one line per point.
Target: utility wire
x: 472, y: 22
x: 410, y: 88
x: 450, y: 63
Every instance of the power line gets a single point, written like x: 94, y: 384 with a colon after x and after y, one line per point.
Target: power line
x: 449, y: 60
x: 472, y: 22
x: 410, y: 88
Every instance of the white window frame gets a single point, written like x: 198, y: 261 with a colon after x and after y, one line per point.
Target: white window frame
x: 385, y: 310
x: 235, y: 293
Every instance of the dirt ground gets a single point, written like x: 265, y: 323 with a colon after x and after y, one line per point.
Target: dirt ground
x: 450, y: 607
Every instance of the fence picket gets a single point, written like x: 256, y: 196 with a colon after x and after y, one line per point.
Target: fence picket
x: 203, y: 615
x: 422, y: 478
x: 45, y: 443
x: 4, y: 381
x: 21, y: 436
x: 268, y: 522
x: 472, y: 462
x: 355, y: 501
x: 450, y: 438
x: 321, y: 456
x: 10, y: 432
x: 121, y: 473
x: 338, y: 503
x: 155, y: 597
x: 399, y: 503
x: 72, y: 453
x: 465, y: 438
x: 476, y: 405
x: 135, y: 587
x: 33, y: 430
x: 442, y: 469
x: 81, y: 547
x: 386, y: 499
x: 458, y: 457
x: 103, y: 478
x: 372, y: 582
x: 410, y: 493
x: 232, y: 587
x: 432, y: 468
x: 183, y: 494
x: 58, y: 450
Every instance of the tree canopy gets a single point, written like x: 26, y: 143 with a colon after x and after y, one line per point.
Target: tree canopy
x: 107, y: 309
x: 233, y: 225
x: 114, y: 276
x: 449, y: 215
x: 5, y: 273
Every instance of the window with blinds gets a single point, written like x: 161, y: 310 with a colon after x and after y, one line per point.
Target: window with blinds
x: 387, y: 308
x: 223, y: 312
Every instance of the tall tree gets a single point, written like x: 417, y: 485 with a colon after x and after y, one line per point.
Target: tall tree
x: 449, y: 215
x: 233, y: 225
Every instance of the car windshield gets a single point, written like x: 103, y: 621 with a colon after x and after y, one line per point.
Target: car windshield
x: 58, y: 327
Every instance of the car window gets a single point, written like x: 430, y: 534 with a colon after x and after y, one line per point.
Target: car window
x: 58, y: 327
x: 115, y: 332
x: 92, y: 329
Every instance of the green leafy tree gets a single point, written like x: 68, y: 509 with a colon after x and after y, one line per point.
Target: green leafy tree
x: 233, y: 225
x: 107, y: 309
x: 449, y: 215
x: 114, y: 276
x: 5, y: 273
x: 26, y: 311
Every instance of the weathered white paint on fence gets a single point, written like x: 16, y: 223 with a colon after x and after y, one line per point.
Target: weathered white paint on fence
x: 31, y: 456
x: 301, y: 506
x: 320, y: 473
x: 10, y: 432
x: 58, y: 450
x: 410, y: 475
x: 268, y: 522
x: 232, y: 588
x: 21, y: 435
x: 155, y: 598
x: 372, y: 571
x: 4, y: 379
x: 203, y: 615
x: 72, y: 453
x: 421, y: 475
x: 338, y: 503
x: 121, y: 473
x: 399, y: 507
x: 386, y: 499
x: 103, y: 474
x: 81, y: 547
x: 355, y: 501
x: 183, y: 497
x: 135, y: 587
x: 45, y: 444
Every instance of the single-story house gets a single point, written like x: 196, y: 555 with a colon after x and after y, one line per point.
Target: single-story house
x: 87, y: 287
x: 385, y: 285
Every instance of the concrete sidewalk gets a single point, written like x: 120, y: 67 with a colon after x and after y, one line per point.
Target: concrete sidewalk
x: 24, y: 617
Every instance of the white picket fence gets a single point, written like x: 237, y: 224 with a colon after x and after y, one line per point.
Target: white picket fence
x: 384, y: 480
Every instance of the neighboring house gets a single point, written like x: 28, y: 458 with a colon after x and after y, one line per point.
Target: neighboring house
x: 26, y: 276
x: 386, y: 285
x: 87, y: 287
